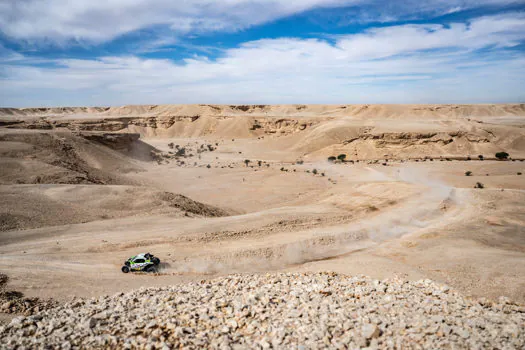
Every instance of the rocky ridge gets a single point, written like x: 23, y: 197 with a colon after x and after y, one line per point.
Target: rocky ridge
x: 323, y: 310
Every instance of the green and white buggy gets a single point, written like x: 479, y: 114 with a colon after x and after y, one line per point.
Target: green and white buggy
x: 144, y: 262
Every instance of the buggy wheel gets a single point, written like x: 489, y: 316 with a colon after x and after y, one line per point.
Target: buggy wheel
x: 125, y: 269
x: 151, y: 269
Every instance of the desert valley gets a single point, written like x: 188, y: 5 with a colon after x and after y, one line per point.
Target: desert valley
x: 412, y: 192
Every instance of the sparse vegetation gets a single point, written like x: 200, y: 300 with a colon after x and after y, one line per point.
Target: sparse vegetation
x: 247, y: 161
x: 341, y: 157
x: 502, y: 155
x: 332, y: 159
x: 299, y: 162
x: 481, y: 157
x: 259, y: 163
x: 468, y: 173
x: 519, y: 173
x: 171, y: 145
x: 479, y: 185
x: 314, y: 171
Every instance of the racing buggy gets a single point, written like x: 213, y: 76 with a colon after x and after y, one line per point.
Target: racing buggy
x: 144, y: 262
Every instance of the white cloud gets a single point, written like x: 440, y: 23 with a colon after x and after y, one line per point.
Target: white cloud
x: 102, y: 20
x: 59, y: 21
x: 410, y: 64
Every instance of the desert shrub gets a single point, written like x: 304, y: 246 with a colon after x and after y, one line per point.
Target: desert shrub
x: 181, y: 152
x: 282, y: 169
x: 299, y: 162
x: 481, y: 157
x: 314, y: 171
x: 208, y: 166
x: 247, y: 161
x: 519, y: 173
x: 322, y: 174
x: 468, y: 173
x: 332, y: 159
x: 341, y: 157
x: 502, y: 155
x: 259, y: 163
x: 171, y: 145
x: 479, y: 185
x: 468, y: 158
x: 384, y: 164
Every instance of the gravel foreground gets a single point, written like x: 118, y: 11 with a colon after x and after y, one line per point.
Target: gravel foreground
x: 302, y: 311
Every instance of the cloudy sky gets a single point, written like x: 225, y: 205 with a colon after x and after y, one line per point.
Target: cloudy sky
x: 113, y: 52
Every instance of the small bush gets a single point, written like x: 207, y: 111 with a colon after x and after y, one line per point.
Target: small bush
x: 247, y: 161
x: 341, y: 157
x: 519, y: 173
x: 322, y: 174
x: 208, y: 166
x: 171, y: 145
x: 314, y: 171
x: 479, y: 185
x: 332, y: 159
x: 481, y: 157
x: 468, y: 173
x: 299, y: 162
x: 502, y: 155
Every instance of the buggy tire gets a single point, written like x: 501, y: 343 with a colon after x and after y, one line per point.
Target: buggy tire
x: 151, y: 269
x: 125, y: 269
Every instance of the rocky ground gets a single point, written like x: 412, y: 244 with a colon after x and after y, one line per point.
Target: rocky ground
x: 277, y: 311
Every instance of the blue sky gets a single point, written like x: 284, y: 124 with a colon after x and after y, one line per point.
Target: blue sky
x: 114, y: 52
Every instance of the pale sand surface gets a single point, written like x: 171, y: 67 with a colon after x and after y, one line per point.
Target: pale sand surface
x: 74, y: 209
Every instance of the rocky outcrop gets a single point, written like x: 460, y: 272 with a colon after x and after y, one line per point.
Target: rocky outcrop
x: 417, y: 138
x: 119, y: 142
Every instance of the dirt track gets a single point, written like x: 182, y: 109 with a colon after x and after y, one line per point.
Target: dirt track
x: 74, y: 207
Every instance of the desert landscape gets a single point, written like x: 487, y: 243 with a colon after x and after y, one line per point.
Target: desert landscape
x: 392, y: 192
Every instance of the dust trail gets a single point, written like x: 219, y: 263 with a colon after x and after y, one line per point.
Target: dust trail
x: 419, y: 213
x: 436, y: 203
